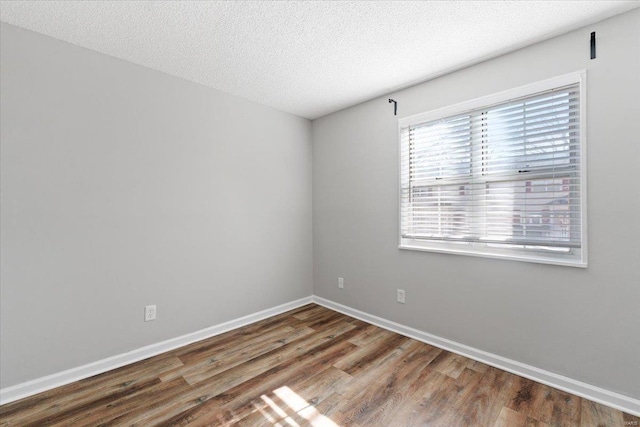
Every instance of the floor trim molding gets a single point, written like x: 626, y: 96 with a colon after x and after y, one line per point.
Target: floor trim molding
x: 588, y: 391
x: 29, y: 388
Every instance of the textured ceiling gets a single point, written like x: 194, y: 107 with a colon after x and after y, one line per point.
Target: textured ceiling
x: 308, y: 58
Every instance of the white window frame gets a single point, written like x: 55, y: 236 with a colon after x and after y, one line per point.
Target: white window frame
x: 482, y: 250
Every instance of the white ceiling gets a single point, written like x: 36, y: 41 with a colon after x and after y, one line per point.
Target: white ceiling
x: 309, y: 58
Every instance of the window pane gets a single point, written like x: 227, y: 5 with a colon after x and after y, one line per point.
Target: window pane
x: 441, y: 150
x: 535, y: 211
x: 440, y: 211
x: 531, y: 135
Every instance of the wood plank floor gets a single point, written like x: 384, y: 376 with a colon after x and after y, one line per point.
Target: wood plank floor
x: 309, y: 367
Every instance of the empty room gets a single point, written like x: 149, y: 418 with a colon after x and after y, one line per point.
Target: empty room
x: 320, y: 213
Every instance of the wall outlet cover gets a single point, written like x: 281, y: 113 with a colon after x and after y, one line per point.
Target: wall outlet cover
x: 401, y: 296
x: 150, y: 313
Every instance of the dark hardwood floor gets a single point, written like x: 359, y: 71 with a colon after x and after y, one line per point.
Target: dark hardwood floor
x: 309, y: 367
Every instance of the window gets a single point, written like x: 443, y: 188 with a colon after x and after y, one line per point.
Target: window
x: 502, y: 176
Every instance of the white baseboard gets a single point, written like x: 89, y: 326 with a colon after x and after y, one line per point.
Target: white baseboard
x: 49, y: 382
x: 588, y: 391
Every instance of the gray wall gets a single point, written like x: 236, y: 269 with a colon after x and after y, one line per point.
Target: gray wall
x: 580, y: 323
x: 122, y: 187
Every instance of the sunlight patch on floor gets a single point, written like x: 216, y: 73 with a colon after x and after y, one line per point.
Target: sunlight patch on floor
x: 281, y: 413
x: 303, y: 408
x: 267, y: 416
x: 282, y: 417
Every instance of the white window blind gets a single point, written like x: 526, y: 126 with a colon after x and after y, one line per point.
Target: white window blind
x: 503, y: 179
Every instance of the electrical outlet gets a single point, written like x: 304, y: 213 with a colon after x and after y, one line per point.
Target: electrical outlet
x: 340, y: 282
x: 150, y: 313
x: 401, y: 296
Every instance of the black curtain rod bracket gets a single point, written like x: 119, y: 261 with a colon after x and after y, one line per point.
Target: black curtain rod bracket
x: 395, y: 106
x: 593, y: 45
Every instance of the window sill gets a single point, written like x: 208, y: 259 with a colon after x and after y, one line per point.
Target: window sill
x: 511, y: 257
